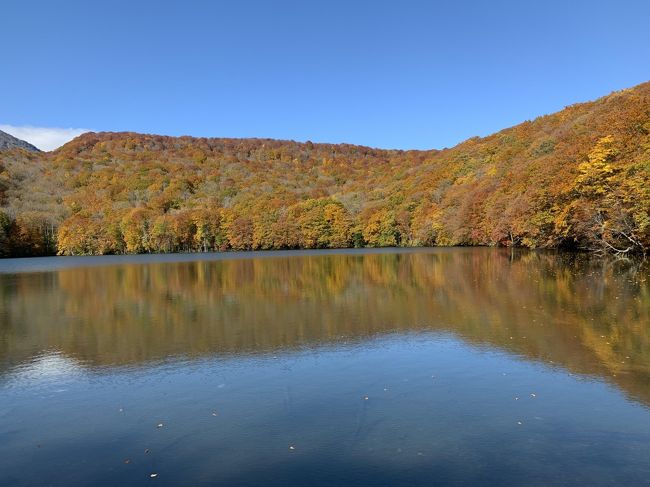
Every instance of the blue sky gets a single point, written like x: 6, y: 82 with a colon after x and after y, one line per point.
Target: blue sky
x: 401, y: 74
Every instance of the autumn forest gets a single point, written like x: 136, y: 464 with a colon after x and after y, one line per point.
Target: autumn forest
x: 576, y: 179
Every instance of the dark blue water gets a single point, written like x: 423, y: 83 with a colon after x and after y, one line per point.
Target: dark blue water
x: 417, y: 368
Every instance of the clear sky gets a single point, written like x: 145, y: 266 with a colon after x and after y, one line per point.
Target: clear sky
x: 399, y: 74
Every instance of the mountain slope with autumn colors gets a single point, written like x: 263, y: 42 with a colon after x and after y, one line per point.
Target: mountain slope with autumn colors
x: 579, y: 178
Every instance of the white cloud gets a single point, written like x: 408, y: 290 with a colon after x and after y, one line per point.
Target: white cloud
x: 45, y: 138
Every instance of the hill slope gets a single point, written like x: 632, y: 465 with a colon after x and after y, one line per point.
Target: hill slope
x: 8, y: 141
x: 578, y: 178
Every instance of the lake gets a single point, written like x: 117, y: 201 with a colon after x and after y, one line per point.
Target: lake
x: 388, y: 367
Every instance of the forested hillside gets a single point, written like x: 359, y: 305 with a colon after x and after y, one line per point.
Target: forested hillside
x: 579, y: 178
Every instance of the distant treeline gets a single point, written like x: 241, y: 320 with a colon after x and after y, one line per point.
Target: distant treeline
x: 577, y: 179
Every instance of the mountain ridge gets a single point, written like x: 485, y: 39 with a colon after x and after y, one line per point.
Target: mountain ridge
x: 102, y: 136
x: 109, y: 133
x: 8, y: 142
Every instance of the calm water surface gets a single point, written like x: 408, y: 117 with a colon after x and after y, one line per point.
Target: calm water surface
x: 420, y: 367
